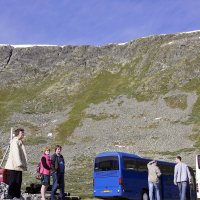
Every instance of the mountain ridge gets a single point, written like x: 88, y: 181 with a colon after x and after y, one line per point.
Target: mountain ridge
x: 142, y: 97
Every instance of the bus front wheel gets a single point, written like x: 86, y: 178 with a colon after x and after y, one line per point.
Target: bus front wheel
x: 145, y: 195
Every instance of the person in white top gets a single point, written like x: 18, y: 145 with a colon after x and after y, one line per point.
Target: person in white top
x: 16, y: 164
x: 181, y: 177
x: 154, y: 174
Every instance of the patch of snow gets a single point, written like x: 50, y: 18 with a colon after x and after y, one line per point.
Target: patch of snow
x: 189, y: 32
x: 30, y: 45
x: 122, y: 43
x: 4, y: 44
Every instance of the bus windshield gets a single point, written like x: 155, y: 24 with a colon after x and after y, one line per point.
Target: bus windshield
x: 106, y: 163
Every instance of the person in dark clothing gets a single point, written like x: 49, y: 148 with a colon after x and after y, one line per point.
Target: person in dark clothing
x: 58, y: 173
x: 45, y: 170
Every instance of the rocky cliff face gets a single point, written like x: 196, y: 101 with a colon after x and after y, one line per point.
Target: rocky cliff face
x: 140, y: 97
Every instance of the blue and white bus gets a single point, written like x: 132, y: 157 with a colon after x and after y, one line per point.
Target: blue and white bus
x: 124, y: 175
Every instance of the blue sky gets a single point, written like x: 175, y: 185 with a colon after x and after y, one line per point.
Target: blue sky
x: 93, y: 22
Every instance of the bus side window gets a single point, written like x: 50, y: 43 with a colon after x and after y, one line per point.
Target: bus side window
x: 129, y: 164
x: 141, y: 165
x: 166, y: 169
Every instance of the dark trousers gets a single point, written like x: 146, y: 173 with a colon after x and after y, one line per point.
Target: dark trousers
x: 14, y: 183
x: 58, y: 182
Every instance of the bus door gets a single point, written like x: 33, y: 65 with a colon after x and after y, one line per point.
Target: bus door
x: 192, y: 192
x: 134, y: 177
x: 107, y: 176
x: 168, y: 190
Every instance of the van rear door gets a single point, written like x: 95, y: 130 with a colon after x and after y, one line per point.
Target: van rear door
x: 106, y: 176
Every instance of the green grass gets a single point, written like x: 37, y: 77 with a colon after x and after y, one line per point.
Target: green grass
x: 31, y: 127
x: 10, y: 101
x: 195, y: 136
x: 34, y: 140
x: 194, y: 86
x: 27, y: 179
x: 179, y: 101
x: 14, y: 99
x: 101, y: 116
x: 79, y: 179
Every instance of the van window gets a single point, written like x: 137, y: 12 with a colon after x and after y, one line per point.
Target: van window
x: 142, y: 165
x: 130, y: 164
x: 134, y: 164
x: 166, y: 169
x: 106, y: 163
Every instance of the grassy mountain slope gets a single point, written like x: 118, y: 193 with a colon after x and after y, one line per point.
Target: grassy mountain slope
x: 41, y: 85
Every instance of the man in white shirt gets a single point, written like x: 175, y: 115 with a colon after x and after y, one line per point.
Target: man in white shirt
x: 181, y: 177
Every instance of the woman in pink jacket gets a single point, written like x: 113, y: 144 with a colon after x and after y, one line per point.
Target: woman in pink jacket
x: 45, y: 170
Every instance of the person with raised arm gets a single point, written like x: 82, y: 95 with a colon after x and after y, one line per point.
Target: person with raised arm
x: 154, y: 174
